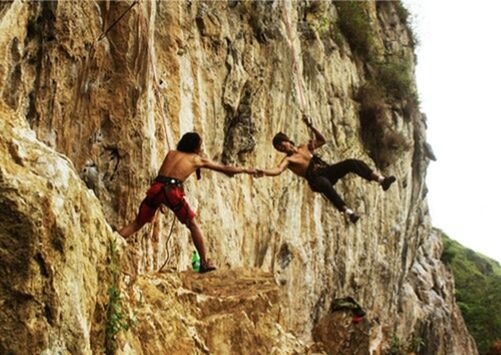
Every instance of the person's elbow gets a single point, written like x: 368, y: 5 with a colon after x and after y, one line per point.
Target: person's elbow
x: 279, y: 171
x: 272, y: 172
x: 319, y: 141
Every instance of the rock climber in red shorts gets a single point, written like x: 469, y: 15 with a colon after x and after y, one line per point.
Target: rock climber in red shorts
x: 167, y: 189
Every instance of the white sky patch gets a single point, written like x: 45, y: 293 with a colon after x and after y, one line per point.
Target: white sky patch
x: 458, y: 77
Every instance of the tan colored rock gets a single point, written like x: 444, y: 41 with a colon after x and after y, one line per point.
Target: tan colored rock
x: 112, y: 104
x: 227, y: 311
x: 340, y: 335
x: 54, y: 249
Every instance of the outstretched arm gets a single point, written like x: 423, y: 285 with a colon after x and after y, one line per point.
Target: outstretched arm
x: 276, y: 171
x: 225, y: 169
x: 319, y: 139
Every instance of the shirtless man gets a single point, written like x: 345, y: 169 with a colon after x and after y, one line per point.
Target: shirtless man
x: 167, y: 189
x: 320, y: 176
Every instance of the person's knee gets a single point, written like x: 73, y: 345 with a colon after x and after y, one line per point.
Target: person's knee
x: 191, y: 224
x: 137, y: 225
x: 318, y: 184
x: 354, y: 163
x: 323, y: 184
x: 358, y: 166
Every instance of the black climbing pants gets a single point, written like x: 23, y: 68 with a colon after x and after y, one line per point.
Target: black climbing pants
x: 323, y: 179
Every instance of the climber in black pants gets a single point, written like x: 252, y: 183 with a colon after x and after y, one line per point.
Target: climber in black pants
x: 320, y: 176
x: 322, y: 179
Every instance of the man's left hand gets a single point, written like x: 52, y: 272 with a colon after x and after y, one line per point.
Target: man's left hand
x: 307, y: 120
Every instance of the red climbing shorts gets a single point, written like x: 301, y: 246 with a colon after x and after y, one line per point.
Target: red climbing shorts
x: 169, y: 194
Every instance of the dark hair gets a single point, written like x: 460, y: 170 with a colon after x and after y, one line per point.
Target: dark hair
x: 189, y: 143
x: 279, y: 138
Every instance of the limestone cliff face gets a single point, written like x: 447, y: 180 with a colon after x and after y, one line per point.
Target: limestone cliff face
x: 87, y: 116
x: 53, y: 246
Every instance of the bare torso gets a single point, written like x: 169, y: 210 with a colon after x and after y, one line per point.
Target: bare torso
x: 299, y: 160
x: 179, y: 165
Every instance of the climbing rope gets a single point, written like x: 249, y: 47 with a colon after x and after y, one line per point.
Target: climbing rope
x: 156, y: 89
x: 299, y: 79
x: 83, y: 78
x: 303, y: 103
x: 167, y: 259
x: 156, y: 85
x: 104, y: 33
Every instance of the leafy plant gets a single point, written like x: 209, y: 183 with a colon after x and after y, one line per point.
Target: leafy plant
x: 327, y: 27
x: 395, y: 77
x: 324, y: 26
x: 384, y: 144
x: 404, y: 16
x: 395, y: 345
x: 414, y: 344
x: 355, y: 24
x: 402, y: 12
x: 116, y: 319
x: 337, y: 35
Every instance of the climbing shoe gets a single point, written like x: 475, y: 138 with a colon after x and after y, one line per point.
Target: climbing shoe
x: 387, y: 182
x: 206, y: 266
x: 354, y: 218
x: 351, y: 216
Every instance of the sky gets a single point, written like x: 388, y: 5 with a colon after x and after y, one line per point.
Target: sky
x: 458, y: 75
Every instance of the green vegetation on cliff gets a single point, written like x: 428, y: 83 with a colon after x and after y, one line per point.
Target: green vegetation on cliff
x: 389, y: 87
x: 478, y: 291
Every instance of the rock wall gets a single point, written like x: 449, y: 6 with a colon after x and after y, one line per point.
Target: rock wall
x: 53, y: 247
x: 231, y: 312
x: 113, y: 96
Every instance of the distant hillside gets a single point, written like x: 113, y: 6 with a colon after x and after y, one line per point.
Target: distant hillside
x: 478, y: 291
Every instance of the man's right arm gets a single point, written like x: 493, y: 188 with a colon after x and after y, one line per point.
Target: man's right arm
x: 276, y: 171
x: 225, y: 169
x: 319, y: 139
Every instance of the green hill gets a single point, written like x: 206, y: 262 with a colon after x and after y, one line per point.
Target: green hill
x: 478, y: 291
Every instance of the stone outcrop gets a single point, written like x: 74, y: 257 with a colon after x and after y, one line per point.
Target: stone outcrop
x: 231, y: 312
x: 53, y: 245
x: 87, y: 114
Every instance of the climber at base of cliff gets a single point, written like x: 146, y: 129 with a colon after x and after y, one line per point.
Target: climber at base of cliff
x: 167, y: 189
x: 320, y: 176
